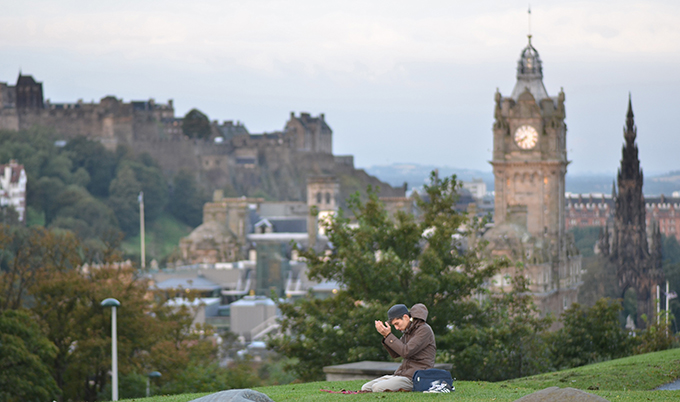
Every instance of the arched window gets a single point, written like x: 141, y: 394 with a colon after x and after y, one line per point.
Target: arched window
x: 318, y: 198
x: 328, y: 198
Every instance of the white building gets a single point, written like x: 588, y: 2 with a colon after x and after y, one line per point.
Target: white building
x: 477, y: 188
x: 13, y: 188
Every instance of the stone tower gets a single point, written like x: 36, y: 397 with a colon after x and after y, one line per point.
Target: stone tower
x: 29, y: 93
x: 322, y: 198
x: 630, y: 251
x: 529, y: 165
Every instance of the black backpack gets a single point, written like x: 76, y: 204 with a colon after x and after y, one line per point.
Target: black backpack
x: 433, y: 381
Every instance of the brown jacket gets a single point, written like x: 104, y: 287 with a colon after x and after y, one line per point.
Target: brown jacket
x: 416, y: 346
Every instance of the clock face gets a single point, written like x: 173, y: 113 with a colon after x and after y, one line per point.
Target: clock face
x: 526, y: 137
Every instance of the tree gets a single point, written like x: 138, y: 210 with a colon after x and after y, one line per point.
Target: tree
x: 380, y: 262
x: 507, y: 340
x: 99, y: 163
x: 196, y: 125
x: 43, y: 196
x: 186, y: 201
x: 153, y: 184
x: 25, y: 357
x: 9, y: 215
x: 590, y: 334
x: 124, y: 193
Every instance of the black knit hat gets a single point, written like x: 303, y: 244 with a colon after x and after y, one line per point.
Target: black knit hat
x: 396, y: 311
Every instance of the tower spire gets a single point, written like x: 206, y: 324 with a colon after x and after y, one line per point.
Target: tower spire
x: 630, y: 130
x: 529, y: 19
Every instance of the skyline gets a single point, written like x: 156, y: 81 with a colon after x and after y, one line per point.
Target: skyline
x: 398, y: 83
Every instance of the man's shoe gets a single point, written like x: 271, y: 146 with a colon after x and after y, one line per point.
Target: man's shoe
x: 441, y: 388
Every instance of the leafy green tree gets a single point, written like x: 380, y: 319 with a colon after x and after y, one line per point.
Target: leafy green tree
x: 123, y: 200
x: 657, y: 335
x: 44, y: 194
x: 508, y: 339
x: 591, y: 334
x: 585, y: 239
x: 196, y: 125
x: 83, y: 214
x: 186, y: 201
x: 379, y: 262
x: 26, y: 254
x: 153, y: 184
x: 25, y: 357
x: 9, y: 215
x: 99, y: 163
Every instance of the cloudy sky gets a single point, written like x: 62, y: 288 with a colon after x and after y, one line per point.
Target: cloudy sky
x: 398, y: 81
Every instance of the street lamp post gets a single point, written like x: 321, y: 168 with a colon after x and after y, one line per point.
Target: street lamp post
x: 153, y: 374
x: 113, y: 303
x: 140, y: 198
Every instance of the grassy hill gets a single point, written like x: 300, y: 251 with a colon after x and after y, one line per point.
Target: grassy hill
x: 627, y: 379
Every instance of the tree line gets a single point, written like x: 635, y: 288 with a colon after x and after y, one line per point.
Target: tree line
x: 92, y: 191
x: 55, y: 337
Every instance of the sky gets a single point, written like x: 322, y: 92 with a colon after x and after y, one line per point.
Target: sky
x: 398, y: 81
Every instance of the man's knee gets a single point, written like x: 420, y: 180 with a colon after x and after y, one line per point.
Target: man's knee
x: 393, y: 384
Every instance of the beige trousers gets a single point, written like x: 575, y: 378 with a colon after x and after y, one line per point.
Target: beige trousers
x: 388, y: 383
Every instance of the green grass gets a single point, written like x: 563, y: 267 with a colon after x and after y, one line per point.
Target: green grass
x: 161, y: 238
x: 634, y: 373
x: 626, y: 380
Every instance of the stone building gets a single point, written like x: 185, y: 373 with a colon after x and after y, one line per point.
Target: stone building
x: 310, y: 134
x: 529, y: 165
x: 222, y: 235
x: 13, y: 188
x: 597, y: 210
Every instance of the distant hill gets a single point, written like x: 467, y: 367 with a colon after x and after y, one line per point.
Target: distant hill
x: 416, y: 175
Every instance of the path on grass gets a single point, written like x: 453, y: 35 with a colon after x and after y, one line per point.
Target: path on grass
x: 671, y: 386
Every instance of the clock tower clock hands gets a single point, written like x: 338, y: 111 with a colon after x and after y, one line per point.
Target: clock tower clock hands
x: 526, y: 137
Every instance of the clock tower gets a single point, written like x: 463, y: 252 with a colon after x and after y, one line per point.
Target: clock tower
x: 530, y: 165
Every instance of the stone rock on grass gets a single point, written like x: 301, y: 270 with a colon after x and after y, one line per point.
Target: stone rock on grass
x: 235, y: 395
x: 555, y: 394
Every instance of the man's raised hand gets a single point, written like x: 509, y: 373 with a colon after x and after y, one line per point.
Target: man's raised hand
x: 383, y: 328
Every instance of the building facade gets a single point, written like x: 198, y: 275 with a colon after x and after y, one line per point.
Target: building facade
x: 597, y: 210
x: 13, y: 188
x: 529, y: 165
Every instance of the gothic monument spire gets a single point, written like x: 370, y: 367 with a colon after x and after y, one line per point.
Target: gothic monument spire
x: 630, y: 251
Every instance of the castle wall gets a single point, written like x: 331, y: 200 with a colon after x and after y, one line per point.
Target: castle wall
x: 276, y: 163
x: 9, y: 119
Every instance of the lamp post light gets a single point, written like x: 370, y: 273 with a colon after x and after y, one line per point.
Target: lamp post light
x: 153, y: 374
x: 113, y: 303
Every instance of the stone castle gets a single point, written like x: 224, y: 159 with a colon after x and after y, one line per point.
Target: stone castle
x: 274, y: 164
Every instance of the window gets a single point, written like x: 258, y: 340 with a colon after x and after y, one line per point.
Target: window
x: 318, y: 198
x: 328, y: 198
